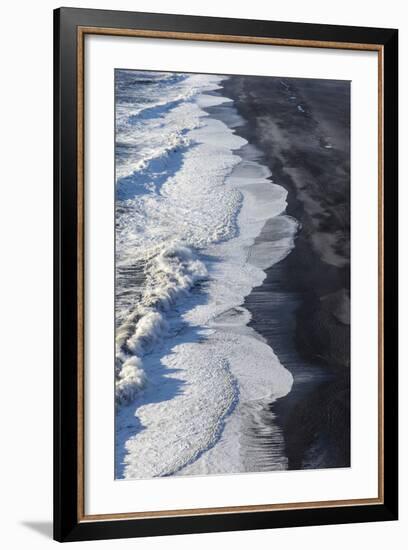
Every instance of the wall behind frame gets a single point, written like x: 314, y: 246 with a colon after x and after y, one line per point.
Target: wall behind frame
x: 26, y: 274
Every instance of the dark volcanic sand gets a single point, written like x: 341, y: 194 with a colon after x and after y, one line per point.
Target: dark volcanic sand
x: 302, y: 126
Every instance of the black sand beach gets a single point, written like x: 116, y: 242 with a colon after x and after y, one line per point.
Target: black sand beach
x: 302, y: 127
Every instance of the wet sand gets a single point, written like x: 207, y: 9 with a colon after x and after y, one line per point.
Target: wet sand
x: 303, y: 307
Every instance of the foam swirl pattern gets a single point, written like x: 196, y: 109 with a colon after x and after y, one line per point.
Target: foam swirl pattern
x: 189, y: 373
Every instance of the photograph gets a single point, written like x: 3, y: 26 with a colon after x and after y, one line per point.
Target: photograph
x: 232, y: 274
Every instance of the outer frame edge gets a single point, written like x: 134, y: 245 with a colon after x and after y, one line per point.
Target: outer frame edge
x: 74, y: 530
x: 56, y: 306
x: 226, y: 523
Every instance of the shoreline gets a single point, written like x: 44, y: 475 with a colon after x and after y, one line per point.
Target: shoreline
x: 186, y: 419
x: 302, y: 307
x: 291, y: 319
x: 246, y: 451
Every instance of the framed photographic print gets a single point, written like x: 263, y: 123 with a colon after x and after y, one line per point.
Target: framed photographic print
x: 225, y: 274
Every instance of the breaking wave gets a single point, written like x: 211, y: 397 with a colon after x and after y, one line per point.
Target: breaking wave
x: 169, y: 276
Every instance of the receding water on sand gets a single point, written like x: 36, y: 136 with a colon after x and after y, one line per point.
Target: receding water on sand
x: 192, y: 377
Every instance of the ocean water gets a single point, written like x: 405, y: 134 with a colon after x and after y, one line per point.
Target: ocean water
x: 192, y: 196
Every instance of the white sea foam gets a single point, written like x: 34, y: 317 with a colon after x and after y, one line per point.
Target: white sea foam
x: 162, y: 226
x: 186, y: 369
x: 169, y: 275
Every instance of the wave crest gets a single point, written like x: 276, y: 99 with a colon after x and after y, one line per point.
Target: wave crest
x: 170, y: 274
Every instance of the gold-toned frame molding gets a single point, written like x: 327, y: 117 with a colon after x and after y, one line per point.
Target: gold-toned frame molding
x: 81, y: 33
